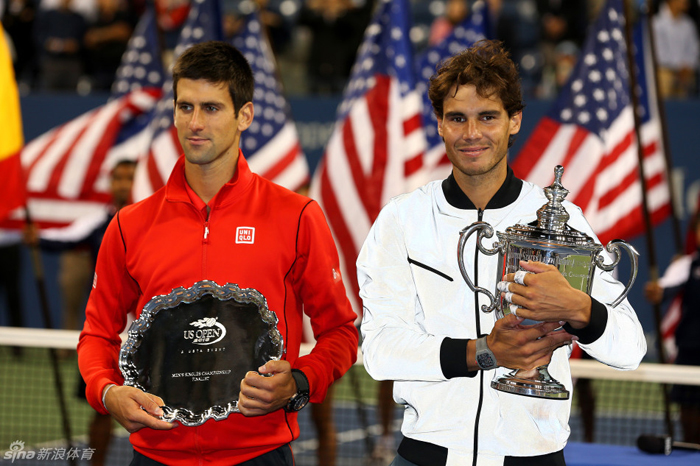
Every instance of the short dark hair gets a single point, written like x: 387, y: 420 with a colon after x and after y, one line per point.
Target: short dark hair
x: 217, y: 62
x: 488, y: 67
x: 122, y: 163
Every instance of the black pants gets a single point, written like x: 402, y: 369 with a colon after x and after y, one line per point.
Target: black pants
x: 282, y: 456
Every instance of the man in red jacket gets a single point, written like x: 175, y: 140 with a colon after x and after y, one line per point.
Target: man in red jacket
x: 216, y: 220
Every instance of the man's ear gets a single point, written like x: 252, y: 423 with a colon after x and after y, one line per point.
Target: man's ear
x: 245, y: 116
x: 515, y: 121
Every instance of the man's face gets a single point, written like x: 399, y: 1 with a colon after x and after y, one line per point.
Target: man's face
x: 207, y: 127
x: 121, y: 183
x: 476, y: 131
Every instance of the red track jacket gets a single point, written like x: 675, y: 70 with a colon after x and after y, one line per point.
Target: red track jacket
x: 165, y: 242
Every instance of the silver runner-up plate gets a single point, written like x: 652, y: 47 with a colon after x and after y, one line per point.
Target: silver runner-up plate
x: 193, y: 346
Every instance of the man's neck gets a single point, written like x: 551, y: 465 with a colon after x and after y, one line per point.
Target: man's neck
x: 481, y: 188
x: 207, y: 180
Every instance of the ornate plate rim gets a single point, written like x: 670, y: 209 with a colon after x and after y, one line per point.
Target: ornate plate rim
x: 189, y: 295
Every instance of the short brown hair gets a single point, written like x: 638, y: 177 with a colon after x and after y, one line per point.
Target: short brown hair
x: 217, y: 62
x: 488, y: 67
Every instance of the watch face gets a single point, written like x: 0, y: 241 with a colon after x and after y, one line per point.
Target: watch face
x: 485, y: 361
x: 299, y: 402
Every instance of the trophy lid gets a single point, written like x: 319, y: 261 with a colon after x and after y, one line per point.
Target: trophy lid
x: 551, y: 220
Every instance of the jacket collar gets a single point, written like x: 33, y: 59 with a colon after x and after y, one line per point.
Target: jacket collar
x: 176, y: 189
x: 506, y: 194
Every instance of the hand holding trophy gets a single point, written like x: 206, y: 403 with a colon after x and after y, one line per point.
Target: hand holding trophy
x: 575, y: 254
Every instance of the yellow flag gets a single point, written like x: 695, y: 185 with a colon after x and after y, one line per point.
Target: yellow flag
x: 12, y: 189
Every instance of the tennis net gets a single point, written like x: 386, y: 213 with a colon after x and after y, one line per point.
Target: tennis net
x: 609, y: 407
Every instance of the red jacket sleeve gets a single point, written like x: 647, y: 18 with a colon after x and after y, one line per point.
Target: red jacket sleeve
x: 332, y: 319
x: 114, y: 293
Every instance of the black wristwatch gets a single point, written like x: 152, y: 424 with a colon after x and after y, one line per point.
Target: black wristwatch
x: 484, y: 357
x: 301, y: 397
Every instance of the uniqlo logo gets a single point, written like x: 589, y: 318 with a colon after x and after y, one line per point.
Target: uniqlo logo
x: 245, y: 235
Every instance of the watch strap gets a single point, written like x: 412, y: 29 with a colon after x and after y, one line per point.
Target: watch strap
x: 299, y: 399
x: 484, y: 356
x: 301, y: 381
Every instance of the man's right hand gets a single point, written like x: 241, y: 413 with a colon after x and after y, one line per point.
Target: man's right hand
x: 135, y: 409
x: 516, y: 346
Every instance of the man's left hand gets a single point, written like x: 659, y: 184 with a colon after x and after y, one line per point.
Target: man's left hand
x: 267, y: 390
x: 547, y: 296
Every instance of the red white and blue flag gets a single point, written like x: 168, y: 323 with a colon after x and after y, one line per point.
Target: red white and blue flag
x: 68, y: 167
x: 271, y: 144
x: 590, y: 131
x: 474, y: 28
x: 376, y: 148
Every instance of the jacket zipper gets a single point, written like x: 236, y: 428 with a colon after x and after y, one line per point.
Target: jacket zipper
x: 478, y: 334
x: 205, y: 243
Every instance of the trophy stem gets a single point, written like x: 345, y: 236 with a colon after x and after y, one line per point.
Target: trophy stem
x: 537, y: 382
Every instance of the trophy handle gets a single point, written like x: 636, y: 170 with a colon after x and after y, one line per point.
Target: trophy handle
x: 484, y: 230
x: 613, y: 247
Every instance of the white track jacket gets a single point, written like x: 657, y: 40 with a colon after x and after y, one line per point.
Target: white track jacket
x: 418, y: 308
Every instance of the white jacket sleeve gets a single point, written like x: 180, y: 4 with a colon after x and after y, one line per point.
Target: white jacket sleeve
x: 395, y: 346
x: 622, y: 344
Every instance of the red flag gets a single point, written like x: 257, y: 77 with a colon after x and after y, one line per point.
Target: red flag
x: 590, y: 131
x: 12, y: 191
x: 375, y: 151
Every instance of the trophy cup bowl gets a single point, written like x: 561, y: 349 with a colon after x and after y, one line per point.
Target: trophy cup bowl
x: 550, y: 241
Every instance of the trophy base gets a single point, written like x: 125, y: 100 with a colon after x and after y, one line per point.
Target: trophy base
x: 539, y: 385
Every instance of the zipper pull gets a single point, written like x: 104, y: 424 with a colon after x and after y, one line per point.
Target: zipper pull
x: 206, y: 231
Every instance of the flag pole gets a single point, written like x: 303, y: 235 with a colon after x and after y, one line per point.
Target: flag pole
x: 651, y: 249
x: 677, y: 234
x: 38, y: 267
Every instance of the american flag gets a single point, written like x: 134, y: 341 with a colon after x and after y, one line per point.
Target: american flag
x: 68, y: 167
x: 271, y: 143
x: 474, y: 28
x: 203, y: 24
x: 376, y: 149
x: 590, y: 131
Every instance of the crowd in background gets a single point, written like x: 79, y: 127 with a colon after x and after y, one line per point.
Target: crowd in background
x: 76, y: 45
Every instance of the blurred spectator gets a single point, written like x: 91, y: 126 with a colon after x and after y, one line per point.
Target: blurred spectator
x: 171, y: 16
x: 59, y: 36
x: 677, y: 48
x: 277, y: 29
x: 10, y: 258
x: 106, y: 40
x: 18, y: 20
x: 516, y: 23
x: 563, y: 20
x: 560, y: 21
x: 682, y: 278
x: 87, y: 8
x: 565, y: 56
x: 336, y: 27
x: 455, y: 12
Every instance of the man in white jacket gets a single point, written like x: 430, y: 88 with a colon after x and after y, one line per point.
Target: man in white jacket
x: 421, y: 323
